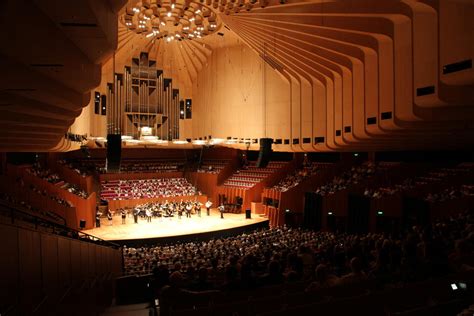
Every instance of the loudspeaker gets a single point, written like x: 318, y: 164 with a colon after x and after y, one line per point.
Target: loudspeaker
x: 82, y: 223
x: 114, y: 152
x: 265, y: 152
x: 248, y: 214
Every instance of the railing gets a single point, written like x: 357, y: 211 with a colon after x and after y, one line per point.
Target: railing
x: 40, y: 304
x: 15, y: 214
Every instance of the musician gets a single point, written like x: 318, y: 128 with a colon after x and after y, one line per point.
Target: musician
x: 197, y: 208
x: 109, y: 217
x: 170, y: 209
x: 165, y: 209
x: 136, y: 211
x: 180, y: 210
x: 189, y: 208
x: 124, y: 216
x: 97, y: 219
x: 148, y: 215
x: 221, y: 209
x: 208, y: 207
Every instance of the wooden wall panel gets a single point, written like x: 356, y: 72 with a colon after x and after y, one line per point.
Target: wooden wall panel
x: 76, y: 263
x: 64, y: 263
x: 9, y: 265
x: 49, y: 263
x: 30, y: 281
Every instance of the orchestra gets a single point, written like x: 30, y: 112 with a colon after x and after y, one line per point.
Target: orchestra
x: 161, y: 210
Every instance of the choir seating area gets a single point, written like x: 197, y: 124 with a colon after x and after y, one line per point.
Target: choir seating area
x: 146, y: 188
x: 128, y: 166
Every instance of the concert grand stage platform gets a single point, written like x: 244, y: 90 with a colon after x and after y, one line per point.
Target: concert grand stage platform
x: 171, y: 230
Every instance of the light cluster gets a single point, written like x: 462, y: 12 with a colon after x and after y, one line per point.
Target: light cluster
x: 170, y: 19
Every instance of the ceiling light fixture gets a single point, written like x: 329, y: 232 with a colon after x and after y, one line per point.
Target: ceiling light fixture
x: 172, y: 17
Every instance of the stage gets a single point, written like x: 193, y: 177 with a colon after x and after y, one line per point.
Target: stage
x: 173, y: 229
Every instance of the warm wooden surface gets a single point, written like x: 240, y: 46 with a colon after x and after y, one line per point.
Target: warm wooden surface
x: 167, y: 227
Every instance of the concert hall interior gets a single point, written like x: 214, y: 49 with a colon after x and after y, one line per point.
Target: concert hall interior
x: 237, y: 157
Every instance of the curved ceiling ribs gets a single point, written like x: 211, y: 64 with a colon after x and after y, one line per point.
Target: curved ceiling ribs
x: 362, y: 74
x: 50, y: 61
x: 377, y: 66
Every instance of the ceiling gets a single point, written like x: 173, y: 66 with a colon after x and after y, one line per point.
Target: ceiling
x: 376, y: 57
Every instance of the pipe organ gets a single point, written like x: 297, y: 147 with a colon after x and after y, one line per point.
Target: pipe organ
x: 144, y: 102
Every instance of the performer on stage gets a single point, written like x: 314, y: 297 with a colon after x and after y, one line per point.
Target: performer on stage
x: 197, y: 208
x: 208, y: 207
x: 97, y: 219
x: 189, y: 208
x: 124, y: 216
x: 109, y: 217
x: 221, y: 209
x: 135, y: 214
x: 180, y: 207
x: 148, y: 215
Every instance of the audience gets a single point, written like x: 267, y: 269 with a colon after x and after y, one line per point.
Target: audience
x: 90, y: 166
x: 24, y: 206
x: 348, y: 178
x: 147, y: 188
x: 296, y: 177
x: 54, y: 178
x: 277, y: 256
x: 44, y: 174
x: 451, y: 193
x: 212, y: 166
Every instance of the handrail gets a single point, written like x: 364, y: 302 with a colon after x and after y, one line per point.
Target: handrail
x: 10, y: 309
x: 58, y: 229
x: 65, y: 294
x: 45, y: 298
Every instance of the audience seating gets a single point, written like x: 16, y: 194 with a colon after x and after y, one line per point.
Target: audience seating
x: 249, y: 175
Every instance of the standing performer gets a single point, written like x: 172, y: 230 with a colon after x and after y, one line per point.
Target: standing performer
x: 189, y: 208
x: 197, y: 208
x: 180, y: 209
x: 97, y: 219
x: 135, y: 215
x: 124, y: 216
x: 221, y: 209
x: 208, y: 207
x: 148, y: 215
x: 109, y: 217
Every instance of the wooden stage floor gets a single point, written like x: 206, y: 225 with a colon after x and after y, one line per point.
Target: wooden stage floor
x: 171, y: 226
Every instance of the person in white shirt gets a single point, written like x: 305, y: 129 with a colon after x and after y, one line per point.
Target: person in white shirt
x: 148, y: 215
x: 208, y: 207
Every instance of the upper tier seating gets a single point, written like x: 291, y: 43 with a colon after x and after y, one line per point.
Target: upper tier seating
x: 249, y: 174
x: 296, y: 177
x: 212, y: 165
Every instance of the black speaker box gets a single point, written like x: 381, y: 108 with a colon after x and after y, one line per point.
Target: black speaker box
x: 114, y: 152
x: 265, y: 152
x: 82, y: 223
x: 248, y: 214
